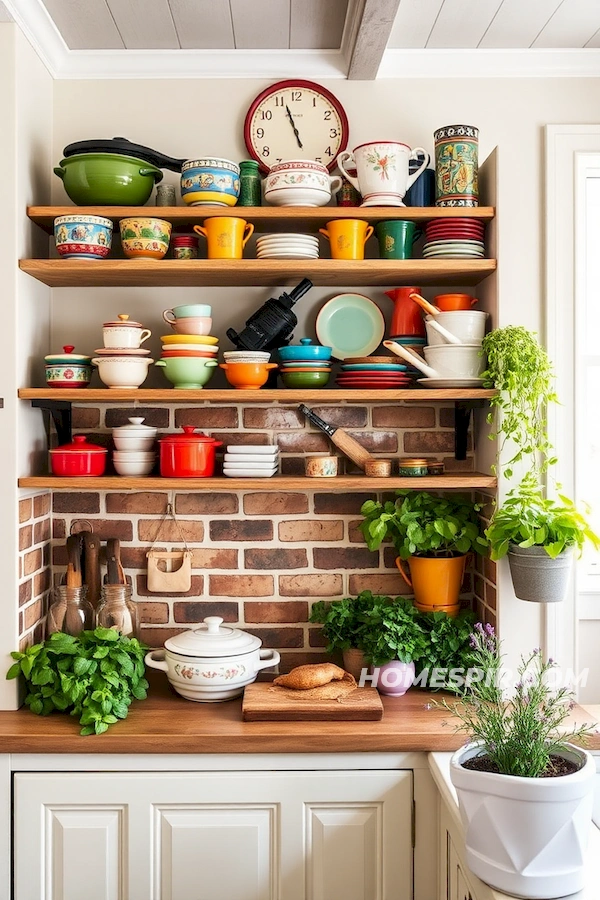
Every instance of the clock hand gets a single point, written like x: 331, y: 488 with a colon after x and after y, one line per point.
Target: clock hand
x: 291, y: 118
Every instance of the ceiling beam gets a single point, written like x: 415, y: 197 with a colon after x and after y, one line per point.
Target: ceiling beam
x: 370, y: 31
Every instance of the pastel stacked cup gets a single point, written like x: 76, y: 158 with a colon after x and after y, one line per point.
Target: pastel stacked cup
x: 123, y: 362
x: 194, y: 318
x: 188, y: 361
x: 135, y: 453
x: 305, y: 365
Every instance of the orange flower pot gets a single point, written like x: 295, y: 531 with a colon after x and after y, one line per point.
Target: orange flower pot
x: 435, y: 581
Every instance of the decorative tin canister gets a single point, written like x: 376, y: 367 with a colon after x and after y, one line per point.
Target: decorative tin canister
x: 456, y: 165
x: 412, y: 467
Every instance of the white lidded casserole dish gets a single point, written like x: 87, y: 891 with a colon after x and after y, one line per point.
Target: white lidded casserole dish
x: 212, y: 662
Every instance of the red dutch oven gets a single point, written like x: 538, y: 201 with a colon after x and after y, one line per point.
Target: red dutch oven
x: 78, y: 458
x: 188, y: 455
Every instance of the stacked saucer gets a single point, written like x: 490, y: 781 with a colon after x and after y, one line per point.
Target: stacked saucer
x: 246, y: 356
x: 203, y: 346
x: 251, y: 461
x: 454, y: 239
x: 287, y: 246
x: 373, y: 372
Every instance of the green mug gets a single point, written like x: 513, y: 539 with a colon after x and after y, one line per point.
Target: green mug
x: 395, y: 238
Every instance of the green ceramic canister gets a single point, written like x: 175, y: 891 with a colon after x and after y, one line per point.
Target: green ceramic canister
x: 250, y: 184
x: 456, y: 165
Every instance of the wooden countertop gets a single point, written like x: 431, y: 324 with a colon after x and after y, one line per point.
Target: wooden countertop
x: 167, y: 723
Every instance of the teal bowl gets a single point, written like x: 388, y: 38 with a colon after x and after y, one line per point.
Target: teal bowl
x: 187, y: 372
x: 304, y: 379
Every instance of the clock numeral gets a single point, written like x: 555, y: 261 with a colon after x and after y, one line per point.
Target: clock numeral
x: 260, y: 132
x: 318, y: 159
x: 266, y: 151
x: 333, y: 132
x: 279, y: 101
x: 296, y: 95
x: 329, y: 151
x: 314, y: 101
x: 278, y: 159
x: 327, y: 115
x: 266, y: 114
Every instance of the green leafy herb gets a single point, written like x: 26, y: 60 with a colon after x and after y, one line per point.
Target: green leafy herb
x: 521, y: 371
x: 421, y: 524
x: 527, y: 519
x: 94, y: 676
x: 393, y: 631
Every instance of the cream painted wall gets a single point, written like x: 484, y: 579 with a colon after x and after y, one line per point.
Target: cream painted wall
x: 190, y: 118
x: 25, y: 152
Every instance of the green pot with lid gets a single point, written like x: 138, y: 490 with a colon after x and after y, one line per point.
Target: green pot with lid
x: 107, y: 179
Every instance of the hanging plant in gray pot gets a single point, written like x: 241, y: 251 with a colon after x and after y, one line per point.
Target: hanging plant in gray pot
x: 540, y: 536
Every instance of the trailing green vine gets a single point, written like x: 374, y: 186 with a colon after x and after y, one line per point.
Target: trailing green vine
x: 522, y: 373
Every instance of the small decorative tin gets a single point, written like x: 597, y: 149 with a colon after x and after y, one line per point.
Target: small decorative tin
x: 412, y: 467
x: 250, y: 184
x: 321, y: 466
x: 378, y: 468
x: 456, y: 165
x: 185, y: 246
x: 435, y: 468
x: 347, y: 194
x: 166, y: 195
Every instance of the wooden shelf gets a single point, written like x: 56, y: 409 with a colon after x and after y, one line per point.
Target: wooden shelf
x: 260, y: 273
x: 230, y: 395
x: 264, y: 218
x: 466, y: 482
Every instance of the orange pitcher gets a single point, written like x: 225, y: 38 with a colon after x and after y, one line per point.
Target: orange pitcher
x: 407, y: 319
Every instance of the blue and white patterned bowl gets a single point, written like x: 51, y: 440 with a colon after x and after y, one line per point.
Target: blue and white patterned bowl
x: 83, y: 237
x: 210, y: 181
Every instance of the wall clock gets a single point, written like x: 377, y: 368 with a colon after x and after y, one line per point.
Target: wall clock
x: 295, y: 119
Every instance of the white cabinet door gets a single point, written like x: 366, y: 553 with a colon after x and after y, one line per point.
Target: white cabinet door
x: 219, y: 836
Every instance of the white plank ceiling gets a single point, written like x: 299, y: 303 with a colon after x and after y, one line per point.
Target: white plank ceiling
x: 319, y: 24
x: 199, y: 24
x: 499, y: 24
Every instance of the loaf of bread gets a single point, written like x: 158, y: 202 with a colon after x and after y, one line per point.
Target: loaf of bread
x: 302, y: 678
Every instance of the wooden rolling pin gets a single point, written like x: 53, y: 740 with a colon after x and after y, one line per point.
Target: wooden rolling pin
x: 351, y: 448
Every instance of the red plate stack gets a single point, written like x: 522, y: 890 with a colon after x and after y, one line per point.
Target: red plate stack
x: 454, y: 238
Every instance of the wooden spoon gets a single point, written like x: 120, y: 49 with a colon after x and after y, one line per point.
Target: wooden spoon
x: 425, y: 304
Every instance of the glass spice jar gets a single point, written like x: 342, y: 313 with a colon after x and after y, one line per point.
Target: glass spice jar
x: 70, y: 612
x: 185, y: 246
x: 250, y: 184
x: 117, y: 610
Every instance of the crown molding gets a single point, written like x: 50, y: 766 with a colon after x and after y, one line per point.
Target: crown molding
x: 34, y: 21
x: 490, y: 63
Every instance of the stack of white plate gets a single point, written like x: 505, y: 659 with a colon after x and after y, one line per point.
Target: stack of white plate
x: 287, y: 246
x: 251, y: 461
x: 458, y: 249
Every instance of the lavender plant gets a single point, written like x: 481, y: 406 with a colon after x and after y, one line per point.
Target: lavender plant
x: 520, y: 735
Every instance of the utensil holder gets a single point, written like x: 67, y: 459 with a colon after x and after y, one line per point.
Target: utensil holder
x: 70, y: 611
x: 117, y: 610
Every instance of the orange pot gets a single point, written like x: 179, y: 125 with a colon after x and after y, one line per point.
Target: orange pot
x: 247, y: 376
x: 435, y: 581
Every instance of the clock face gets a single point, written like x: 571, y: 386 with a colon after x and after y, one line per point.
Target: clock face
x: 295, y: 120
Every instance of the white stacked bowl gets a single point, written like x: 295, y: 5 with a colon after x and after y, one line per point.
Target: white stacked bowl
x: 135, y: 454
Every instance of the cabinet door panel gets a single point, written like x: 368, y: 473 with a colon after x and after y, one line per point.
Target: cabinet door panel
x: 346, y: 852
x: 233, y: 852
x: 84, y: 853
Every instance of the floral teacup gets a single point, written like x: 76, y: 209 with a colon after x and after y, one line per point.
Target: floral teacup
x: 382, y: 169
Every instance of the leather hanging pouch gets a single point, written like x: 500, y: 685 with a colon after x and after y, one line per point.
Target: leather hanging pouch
x: 169, y: 571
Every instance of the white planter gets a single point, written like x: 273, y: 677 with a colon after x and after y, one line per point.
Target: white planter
x: 526, y: 836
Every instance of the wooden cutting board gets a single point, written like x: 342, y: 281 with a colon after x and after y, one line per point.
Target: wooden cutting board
x: 263, y: 704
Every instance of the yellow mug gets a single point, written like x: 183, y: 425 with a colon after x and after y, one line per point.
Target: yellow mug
x: 347, y: 237
x: 226, y: 236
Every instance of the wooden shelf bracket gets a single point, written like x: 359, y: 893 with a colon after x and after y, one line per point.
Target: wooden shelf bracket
x: 61, y: 413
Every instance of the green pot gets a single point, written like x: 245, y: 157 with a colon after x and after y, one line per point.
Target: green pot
x: 187, y: 372
x: 107, y: 179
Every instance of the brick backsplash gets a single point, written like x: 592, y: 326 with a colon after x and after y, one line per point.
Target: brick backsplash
x: 34, y: 566
x: 260, y: 558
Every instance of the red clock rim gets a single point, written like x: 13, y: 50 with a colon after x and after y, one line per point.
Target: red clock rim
x: 300, y: 83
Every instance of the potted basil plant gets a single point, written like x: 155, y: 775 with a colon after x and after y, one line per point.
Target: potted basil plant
x: 343, y: 622
x: 432, y: 537
x: 541, y: 537
x: 392, y: 641
x: 525, y: 792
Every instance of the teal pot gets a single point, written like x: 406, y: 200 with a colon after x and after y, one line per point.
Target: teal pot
x: 107, y: 179
x: 187, y: 372
x: 536, y: 576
